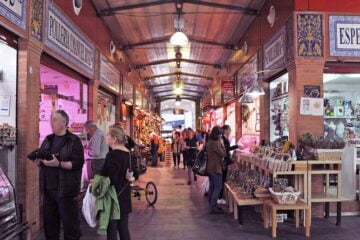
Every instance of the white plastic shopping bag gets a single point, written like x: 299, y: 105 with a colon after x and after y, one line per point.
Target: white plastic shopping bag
x: 89, y: 208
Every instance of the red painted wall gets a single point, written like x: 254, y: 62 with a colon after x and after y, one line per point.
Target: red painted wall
x: 328, y: 5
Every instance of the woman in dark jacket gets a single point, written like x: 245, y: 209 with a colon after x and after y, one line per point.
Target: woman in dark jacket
x: 116, y: 167
x: 190, y: 152
x: 227, y: 160
x: 216, y: 153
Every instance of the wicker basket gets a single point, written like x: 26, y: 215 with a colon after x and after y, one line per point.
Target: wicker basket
x: 328, y: 155
x: 284, y: 197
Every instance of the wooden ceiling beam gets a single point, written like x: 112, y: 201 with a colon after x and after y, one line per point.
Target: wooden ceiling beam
x: 248, y: 11
x: 184, y: 83
x: 167, y: 39
x: 171, y: 90
x: 178, y: 73
x: 217, y: 66
x: 114, y: 10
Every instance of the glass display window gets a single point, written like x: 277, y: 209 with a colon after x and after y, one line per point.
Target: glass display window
x: 279, y: 108
x: 231, y: 121
x: 251, y: 117
x: 60, y: 92
x: 8, y: 102
x: 341, y: 106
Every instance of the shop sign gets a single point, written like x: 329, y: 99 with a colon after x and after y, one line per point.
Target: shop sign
x: 247, y: 74
x: 344, y: 36
x: 14, y: 11
x: 63, y: 37
x: 274, y: 51
x: 128, y: 90
x: 109, y: 75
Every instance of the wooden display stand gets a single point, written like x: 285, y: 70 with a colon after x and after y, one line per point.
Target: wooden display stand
x: 271, y: 208
x: 236, y: 203
x: 303, y: 172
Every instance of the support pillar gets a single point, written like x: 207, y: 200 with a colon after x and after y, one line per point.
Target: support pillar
x: 197, y: 114
x: 94, y: 85
x: 28, y: 191
x: 303, y: 72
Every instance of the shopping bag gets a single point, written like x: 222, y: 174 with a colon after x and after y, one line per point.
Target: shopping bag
x: 89, y: 208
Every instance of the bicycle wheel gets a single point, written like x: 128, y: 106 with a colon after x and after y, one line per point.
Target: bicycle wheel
x: 151, y: 193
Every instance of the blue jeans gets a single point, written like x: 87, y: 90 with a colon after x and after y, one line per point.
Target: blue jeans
x: 214, y: 188
x: 154, y: 159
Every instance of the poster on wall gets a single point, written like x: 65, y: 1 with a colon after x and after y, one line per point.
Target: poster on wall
x: 247, y: 75
x: 251, y: 117
x: 227, y: 87
x: 311, y: 91
x: 231, y: 121
x: 14, y: 11
x: 5, y: 105
x: 312, y: 106
x: 219, y: 117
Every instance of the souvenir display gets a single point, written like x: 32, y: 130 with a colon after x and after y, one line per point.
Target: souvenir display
x: 7, y: 136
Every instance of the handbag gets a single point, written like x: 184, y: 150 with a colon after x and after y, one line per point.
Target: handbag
x: 199, y: 167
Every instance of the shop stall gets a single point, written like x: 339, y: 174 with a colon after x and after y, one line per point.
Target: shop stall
x: 62, y: 92
x: 8, y: 102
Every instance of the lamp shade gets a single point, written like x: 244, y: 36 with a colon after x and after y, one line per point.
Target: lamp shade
x: 246, y: 98
x: 179, y: 39
x: 256, y: 90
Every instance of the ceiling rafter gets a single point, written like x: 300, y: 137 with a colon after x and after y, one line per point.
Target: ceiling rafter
x: 184, y: 83
x: 217, y: 66
x: 171, y: 90
x: 167, y: 39
x: 178, y: 73
x: 114, y: 10
x: 183, y: 96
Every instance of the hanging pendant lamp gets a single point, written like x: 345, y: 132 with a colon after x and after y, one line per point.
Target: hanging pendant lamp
x: 178, y: 101
x: 256, y: 90
x: 179, y: 38
x: 245, y: 98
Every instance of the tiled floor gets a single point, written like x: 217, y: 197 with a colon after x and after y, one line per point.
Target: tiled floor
x: 181, y: 213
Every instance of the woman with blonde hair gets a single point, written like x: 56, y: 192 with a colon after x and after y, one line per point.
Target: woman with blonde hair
x: 116, y: 167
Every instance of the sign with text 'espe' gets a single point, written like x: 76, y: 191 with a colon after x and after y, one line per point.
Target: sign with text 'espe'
x: 344, y: 36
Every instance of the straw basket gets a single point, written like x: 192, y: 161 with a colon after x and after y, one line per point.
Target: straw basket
x: 284, y: 197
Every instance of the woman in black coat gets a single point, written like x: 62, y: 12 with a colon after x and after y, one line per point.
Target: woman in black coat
x: 116, y: 167
x: 227, y: 160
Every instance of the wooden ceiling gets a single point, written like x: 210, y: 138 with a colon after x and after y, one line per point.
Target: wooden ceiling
x: 213, y: 28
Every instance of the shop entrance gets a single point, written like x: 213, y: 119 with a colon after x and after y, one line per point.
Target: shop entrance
x: 61, y: 92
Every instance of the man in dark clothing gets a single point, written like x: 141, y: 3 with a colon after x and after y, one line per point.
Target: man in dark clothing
x: 227, y: 160
x: 61, y: 179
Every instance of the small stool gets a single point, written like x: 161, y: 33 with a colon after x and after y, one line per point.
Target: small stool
x: 271, y: 208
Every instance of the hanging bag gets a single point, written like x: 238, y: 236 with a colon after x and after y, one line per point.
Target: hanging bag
x: 199, y: 166
x: 89, y: 208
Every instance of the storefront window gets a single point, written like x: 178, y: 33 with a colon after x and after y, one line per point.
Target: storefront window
x: 59, y: 91
x: 342, y: 106
x: 8, y: 86
x: 279, y: 109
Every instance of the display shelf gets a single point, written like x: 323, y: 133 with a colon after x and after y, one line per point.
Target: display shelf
x: 280, y: 97
x: 329, y: 117
x: 324, y: 197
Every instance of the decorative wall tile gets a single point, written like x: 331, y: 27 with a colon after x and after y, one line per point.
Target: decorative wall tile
x: 14, y: 11
x: 37, y: 18
x: 309, y: 35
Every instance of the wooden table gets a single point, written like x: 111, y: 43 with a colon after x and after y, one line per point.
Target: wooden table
x: 236, y: 204
x: 271, y: 208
